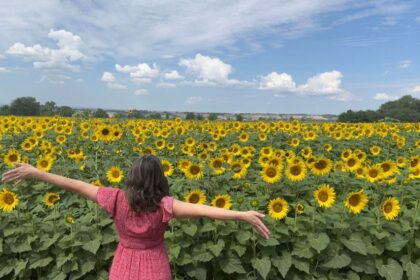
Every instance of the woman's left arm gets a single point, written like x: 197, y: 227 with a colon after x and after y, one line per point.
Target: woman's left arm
x: 23, y: 171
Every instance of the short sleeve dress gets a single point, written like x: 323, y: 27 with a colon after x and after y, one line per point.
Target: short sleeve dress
x: 141, y: 252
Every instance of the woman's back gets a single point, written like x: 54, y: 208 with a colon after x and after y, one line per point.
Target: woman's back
x: 141, y: 251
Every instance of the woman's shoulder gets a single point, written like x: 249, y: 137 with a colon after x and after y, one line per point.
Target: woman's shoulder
x: 167, y: 206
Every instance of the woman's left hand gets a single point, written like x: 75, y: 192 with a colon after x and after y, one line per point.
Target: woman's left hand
x: 21, y: 172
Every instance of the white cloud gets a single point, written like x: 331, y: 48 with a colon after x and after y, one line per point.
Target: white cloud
x: 116, y: 86
x: 276, y: 81
x: 53, y: 78
x: 193, y: 100
x: 61, y: 59
x: 384, y: 97
x: 163, y: 84
x: 210, y: 71
x: 141, y: 72
x: 108, y: 77
x: 405, y: 63
x: 141, y: 91
x: 323, y: 83
x: 416, y: 91
x: 173, y: 75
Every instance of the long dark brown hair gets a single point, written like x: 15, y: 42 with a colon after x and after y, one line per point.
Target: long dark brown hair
x: 146, y: 184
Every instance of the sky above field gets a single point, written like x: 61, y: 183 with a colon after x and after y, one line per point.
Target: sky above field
x: 307, y: 56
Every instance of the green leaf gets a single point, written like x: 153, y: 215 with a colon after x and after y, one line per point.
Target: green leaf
x: 197, y: 272
x: 58, y: 275
x: 216, y: 248
x: 412, y: 271
x: 174, y: 251
x: 92, y: 246
x: 203, y: 256
x: 319, y: 242
x: 19, y: 266
x: 6, y: 270
x: 190, y: 230
x: 41, y: 262
x: 395, y: 243
x: 243, y: 237
x: 24, y: 246
x: 269, y: 242
x: 207, y: 227
x: 355, y: 244
x: 283, y: 263
x: 302, y: 250
x: 62, y: 259
x: 337, y: 262
x: 231, y: 264
x: 391, y: 271
x: 263, y: 266
x: 301, y: 265
x: 47, y: 242
x: 240, y: 250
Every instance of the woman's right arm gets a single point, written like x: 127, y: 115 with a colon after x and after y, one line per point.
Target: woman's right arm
x: 189, y: 210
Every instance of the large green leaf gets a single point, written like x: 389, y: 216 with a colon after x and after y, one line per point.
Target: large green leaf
x: 336, y: 262
x: 412, y: 270
x: 216, y: 248
x: 301, y: 265
x: 231, y: 264
x: 92, y: 246
x: 20, y: 266
x: 190, y: 229
x: 319, y: 242
x: 40, y: 262
x: 262, y: 265
x: 355, y: 244
x: 283, y: 262
x: 391, y: 271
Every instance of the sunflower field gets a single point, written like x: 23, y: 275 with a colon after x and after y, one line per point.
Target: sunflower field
x: 342, y: 201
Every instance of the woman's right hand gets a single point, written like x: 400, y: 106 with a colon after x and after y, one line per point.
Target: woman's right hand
x: 21, y: 172
x: 255, y: 219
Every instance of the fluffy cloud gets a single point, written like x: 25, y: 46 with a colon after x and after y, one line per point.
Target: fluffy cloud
x: 405, y: 63
x: 384, y: 97
x: 108, y: 77
x: 141, y: 73
x: 60, y: 59
x: 210, y: 71
x: 141, y: 91
x: 111, y: 81
x: 327, y: 83
x: 173, y: 75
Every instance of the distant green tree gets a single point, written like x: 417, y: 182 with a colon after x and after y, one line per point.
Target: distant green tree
x: 100, y: 113
x: 406, y: 109
x: 155, y: 116
x: 239, y: 117
x: 199, y: 117
x: 5, y: 110
x: 212, y: 116
x: 25, y: 106
x: 49, y: 109
x: 65, y: 111
x: 190, y: 116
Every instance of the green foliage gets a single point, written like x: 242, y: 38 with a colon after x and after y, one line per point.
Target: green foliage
x: 100, y: 113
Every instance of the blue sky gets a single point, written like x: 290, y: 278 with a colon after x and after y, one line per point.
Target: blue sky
x: 308, y: 56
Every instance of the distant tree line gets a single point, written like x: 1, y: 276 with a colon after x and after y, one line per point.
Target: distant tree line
x: 405, y: 109
x: 29, y: 106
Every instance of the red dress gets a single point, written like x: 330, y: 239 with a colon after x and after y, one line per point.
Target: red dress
x: 141, y: 252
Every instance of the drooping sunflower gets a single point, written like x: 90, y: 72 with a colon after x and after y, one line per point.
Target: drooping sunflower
x: 278, y: 208
x: 391, y: 208
x: 12, y: 156
x: 44, y: 163
x: 168, y: 168
x: 271, y: 174
x: 196, y: 196
x: 321, y: 166
x: 296, y: 171
x: 8, y: 201
x: 222, y: 201
x: 194, y: 171
x: 356, y: 201
x: 51, y: 198
x: 325, y: 196
x: 114, y: 174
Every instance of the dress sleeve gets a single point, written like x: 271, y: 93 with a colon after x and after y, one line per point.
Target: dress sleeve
x: 106, y: 197
x: 167, y: 203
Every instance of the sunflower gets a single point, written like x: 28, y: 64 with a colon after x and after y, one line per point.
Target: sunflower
x: 97, y: 183
x: 216, y: 164
x: 325, y: 196
x: 346, y: 154
x: 26, y: 145
x: 389, y: 168
x: 352, y: 163
x: 238, y: 169
x: 51, y: 198
x: 114, y: 174
x: 391, y: 208
x: 44, y: 163
x: 8, y: 201
x: 375, y: 150
x: 321, y: 166
x: 61, y: 139
x: 296, y: 171
x: 244, y: 137
x: 168, y: 169
x: 328, y: 147
x: 278, y: 208
x: 196, y: 196
x: 160, y: 144
x: 266, y: 151
x: 190, y: 142
x: 194, y: 171
x: 222, y: 201
x: 271, y: 174
x: 299, y: 208
x: 356, y: 201
x: 294, y: 142
x: 12, y: 156
x: 183, y: 164
x: 373, y: 173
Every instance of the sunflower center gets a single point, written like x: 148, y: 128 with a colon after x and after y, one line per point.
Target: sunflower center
x: 323, y: 196
x: 44, y: 163
x: 115, y: 173
x: 217, y: 164
x: 105, y: 131
x: 354, y: 200
x: 236, y: 168
x: 277, y: 207
x: 295, y: 170
x: 8, y: 198
x: 220, y: 202
x: 271, y: 172
x: 388, y: 208
x: 52, y: 198
x: 320, y: 165
x: 373, y: 173
x: 386, y: 167
x: 351, y: 162
x: 165, y: 168
x: 13, y: 157
x: 195, y: 169
x: 194, y: 198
